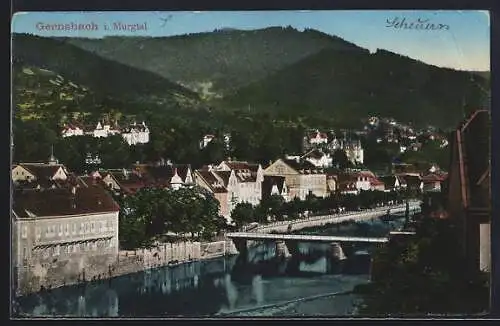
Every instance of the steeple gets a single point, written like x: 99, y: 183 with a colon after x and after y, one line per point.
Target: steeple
x: 52, y: 158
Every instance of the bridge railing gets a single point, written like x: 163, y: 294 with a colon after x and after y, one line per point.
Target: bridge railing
x: 413, y: 205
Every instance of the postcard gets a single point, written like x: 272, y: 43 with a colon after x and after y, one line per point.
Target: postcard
x: 309, y: 163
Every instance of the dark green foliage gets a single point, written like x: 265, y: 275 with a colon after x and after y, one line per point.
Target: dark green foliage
x: 106, y: 77
x: 349, y: 85
x: 151, y: 213
x: 227, y: 58
x: 424, y: 275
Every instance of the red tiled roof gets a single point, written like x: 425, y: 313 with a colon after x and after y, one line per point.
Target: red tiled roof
x: 318, y: 134
x: 61, y: 202
x: 40, y: 170
x: 211, y: 181
x: 434, y: 177
x: 224, y: 175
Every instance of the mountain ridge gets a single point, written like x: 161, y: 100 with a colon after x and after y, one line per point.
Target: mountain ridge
x: 343, y: 84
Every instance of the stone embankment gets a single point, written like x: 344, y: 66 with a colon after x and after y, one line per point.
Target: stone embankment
x: 105, y: 267
x: 170, y: 254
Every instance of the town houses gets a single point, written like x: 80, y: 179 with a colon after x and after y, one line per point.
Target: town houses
x: 133, y: 133
x: 68, y: 221
x: 302, y: 177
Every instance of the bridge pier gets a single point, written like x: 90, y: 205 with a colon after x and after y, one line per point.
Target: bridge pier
x: 293, y: 247
x: 241, y: 246
x: 282, y: 249
x: 337, y: 252
x: 348, y: 248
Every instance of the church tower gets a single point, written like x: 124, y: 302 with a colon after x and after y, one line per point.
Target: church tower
x: 52, y: 159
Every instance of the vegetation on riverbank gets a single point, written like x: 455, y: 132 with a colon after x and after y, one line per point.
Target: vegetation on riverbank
x: 150, y: 214
x: 424, y: 275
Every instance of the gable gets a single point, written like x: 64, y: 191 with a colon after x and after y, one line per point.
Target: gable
x: 279, y: 168
x: 60, y: 174
x: 109, y: 179
x: 20, y: 173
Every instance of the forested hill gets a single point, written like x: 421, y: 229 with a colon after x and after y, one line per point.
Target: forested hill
x: 349, y: 85
x: 212, y: 63
x: 105, y: 78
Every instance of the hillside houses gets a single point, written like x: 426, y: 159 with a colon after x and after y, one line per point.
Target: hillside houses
x: 132, y: 134
x: 315, y: 138
x: 353, y: 149
x: 356, y: 181
x: 318, y: 158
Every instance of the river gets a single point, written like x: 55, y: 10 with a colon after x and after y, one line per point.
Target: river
x: 259, y: 285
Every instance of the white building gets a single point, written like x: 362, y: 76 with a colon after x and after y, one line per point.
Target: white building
x: 243, y: 182
x: 133, y: 134
x: 206, y: 140
x: 136, y: 134
x: 317, y: 158
x: 353, y: 149
x: 317, y: 138
x: 72, y: 130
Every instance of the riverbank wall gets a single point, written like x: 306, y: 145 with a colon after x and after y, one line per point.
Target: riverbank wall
x: 126, y: 262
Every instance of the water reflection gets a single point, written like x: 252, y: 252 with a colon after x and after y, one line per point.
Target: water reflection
x: 209, y: 287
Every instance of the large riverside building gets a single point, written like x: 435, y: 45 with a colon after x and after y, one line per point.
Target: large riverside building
x: 60, y: 233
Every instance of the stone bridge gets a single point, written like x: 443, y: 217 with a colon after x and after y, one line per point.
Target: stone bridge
x: 314, y: 221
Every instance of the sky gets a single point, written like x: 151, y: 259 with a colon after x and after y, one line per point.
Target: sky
x: 465, y: 45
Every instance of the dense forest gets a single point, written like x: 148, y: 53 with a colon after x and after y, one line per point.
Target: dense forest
x: 225, y: 59
x: 347, y: 85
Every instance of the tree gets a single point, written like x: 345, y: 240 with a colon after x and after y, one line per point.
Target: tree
x: 271, y: 207
x: 243, y: 214
x: 340, y: 159
x: 423, y: 275
x: 152, y: 213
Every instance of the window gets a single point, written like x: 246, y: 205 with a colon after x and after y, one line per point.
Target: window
x: 60, y: 229
x: 74, y: 228
x: 38, y: 233
x: 81, y: 228
x: 92, y: 227
x: 57, y: 250
x: 25, y: 253
x: 24, y: 232
x: 70, y: 248
x: 67, y: 229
